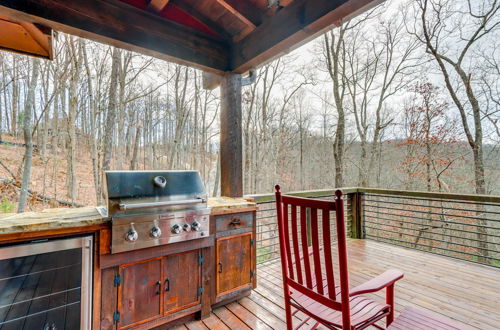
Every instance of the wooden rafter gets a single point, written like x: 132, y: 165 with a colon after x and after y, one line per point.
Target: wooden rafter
x: 157, y: 5
x: 243, y: 10
x: 201, y: 18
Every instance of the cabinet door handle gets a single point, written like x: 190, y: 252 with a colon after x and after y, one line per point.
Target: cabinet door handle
x: 167, y: 284
x: 220, y: 267
x: 235, y: 222
x: 158, y: 287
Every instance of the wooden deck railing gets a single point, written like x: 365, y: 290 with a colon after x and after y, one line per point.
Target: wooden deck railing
x: 456, y: 225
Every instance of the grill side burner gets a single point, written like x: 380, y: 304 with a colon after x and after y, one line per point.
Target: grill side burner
x: 151, y: 208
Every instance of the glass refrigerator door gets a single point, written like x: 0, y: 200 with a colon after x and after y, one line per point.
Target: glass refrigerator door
x: 45, y: 286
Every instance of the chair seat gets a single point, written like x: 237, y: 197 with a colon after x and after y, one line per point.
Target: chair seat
x: 363, y: 309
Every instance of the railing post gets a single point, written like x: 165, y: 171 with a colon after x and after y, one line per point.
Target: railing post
x: 357, y: 215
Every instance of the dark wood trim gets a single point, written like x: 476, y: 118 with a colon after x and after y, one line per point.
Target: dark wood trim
x: 235, y: 210
x: 231, y: 147
x: 111, y: 260
x: 236, y: 293
x: 207, y: 271
x: 124, y: 26
x: 291, y: 27
x: 169, y: 318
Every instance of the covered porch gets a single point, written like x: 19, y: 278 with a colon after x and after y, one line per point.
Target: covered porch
x: 460, y: 290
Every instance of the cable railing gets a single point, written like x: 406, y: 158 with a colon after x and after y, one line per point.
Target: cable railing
x: 267, y: 228
x: 436, y: 223
x: 455, y: 225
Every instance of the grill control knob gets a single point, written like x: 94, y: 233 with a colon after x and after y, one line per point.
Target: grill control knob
x: 186, y: 227
x: 155, y: 232
x: 132, y: 234
x: 176, y: 229
x: 196, y: 225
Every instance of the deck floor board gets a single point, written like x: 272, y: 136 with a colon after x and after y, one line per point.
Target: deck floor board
x: 463, y: 291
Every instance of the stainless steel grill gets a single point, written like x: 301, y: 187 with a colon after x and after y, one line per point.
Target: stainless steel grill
x: 150, y: 208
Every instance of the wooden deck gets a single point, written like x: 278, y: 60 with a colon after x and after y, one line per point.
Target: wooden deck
x: 464, y: 291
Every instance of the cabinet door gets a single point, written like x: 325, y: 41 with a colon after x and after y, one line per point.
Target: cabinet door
x: 181, y: 281
x: 234, y: 263
x: 140, y: 292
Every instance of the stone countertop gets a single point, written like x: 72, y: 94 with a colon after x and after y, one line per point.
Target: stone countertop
x: 50, y: 219
x: 59, y: 218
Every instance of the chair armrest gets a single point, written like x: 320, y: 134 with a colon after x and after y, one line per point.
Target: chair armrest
x: 378, y: 283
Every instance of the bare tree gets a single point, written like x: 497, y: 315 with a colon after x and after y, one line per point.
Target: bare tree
x: 28, y: 139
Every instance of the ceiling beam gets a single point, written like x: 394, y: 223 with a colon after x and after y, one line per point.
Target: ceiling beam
x: 157, y: 6
x: 245, y: 11
x: 291, y: 27
x: 120, y: 25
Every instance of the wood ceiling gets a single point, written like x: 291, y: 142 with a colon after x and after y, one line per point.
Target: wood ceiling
x: 214, y: 35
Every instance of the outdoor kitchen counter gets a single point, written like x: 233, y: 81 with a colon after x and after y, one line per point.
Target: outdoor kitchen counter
x: 59, y: 218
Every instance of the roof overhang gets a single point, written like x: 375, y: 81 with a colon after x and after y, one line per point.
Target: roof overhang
x: 121, y: 24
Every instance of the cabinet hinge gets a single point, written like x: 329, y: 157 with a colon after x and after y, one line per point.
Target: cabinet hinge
x: 118, y: 280
x: 200, y: 290
x: 201, y: 259
x: 251, y: 242
x: 252, y: 274
x: 116, y: 317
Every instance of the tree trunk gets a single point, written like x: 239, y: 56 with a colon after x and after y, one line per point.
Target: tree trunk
x: 28, y: 140
x: 112, y: 107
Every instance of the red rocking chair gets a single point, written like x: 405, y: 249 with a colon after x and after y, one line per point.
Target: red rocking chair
x: 310, y: 284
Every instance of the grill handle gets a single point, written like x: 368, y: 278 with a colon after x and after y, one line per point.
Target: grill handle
x: 133, y: 206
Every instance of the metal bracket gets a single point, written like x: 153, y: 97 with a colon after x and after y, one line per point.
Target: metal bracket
x: 200, y: 290
x: 252, y: 242
x: 252, y: 274
x: 118, y: 280
x: 116, y: 317
x: 201, y: 259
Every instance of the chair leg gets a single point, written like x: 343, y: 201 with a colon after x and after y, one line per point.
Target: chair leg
x: 288, y: 312
x: 389, y: 300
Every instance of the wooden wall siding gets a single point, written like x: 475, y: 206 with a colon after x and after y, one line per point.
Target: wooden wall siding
x: 214, y: 35
x: 460, y: 290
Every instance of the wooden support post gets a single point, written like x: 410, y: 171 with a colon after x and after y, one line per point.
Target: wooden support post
x: 357, y: 215
x: 231, y: 150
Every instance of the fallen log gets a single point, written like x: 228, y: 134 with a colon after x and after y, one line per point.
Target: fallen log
x: 40, y: 197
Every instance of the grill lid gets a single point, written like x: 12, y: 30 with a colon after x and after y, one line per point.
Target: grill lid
x: 153, y: 191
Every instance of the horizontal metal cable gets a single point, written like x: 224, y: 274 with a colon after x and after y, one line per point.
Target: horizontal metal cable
x: 433, y: 199
x: 420, y: 224
x: 421, y: 218
x: 433, y: 239
x: 423, y: 231
x: 432, y: 206
x: 387, y: 240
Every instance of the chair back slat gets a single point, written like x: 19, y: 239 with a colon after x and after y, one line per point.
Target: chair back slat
x: 287, y: 247
x: 296, y: 254
x: 305, y: 247
x: 295, y: 241
x: 316, y: 250
x: 327, y: 250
